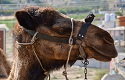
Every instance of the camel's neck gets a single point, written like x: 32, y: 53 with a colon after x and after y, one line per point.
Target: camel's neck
x: 27, y: 67
x: 36, y: 73
x: 33, y: 72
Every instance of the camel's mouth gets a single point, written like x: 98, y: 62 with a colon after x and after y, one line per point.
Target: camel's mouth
x: 105, y: 55
x: 102, y: 57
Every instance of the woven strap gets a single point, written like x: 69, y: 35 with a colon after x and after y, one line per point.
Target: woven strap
x: 48, y: 37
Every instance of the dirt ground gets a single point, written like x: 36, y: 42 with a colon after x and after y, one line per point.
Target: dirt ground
x: 74, y: 73
x: 9, y: 46
x: 6, y: 17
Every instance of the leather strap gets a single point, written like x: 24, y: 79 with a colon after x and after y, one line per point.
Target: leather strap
x: 82, y: 31
x: 80, y: 35
x: 48, y: 37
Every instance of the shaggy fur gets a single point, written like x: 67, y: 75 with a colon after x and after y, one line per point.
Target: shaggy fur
x: 4, y: 65
x: 53, y: 55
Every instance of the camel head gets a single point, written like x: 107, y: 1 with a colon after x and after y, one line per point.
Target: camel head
x: 97, y: 43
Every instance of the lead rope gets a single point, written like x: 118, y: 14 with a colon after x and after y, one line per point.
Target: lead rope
x: 30, y: 43
x: 32, y: 40
x: 86, y: 62
x: 46, y: 73
x: 71, y: 46
x: 84, y: 56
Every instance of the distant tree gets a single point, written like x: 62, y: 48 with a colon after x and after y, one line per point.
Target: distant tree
x: 0, y: 1
x: 6, y: 2
x: 37, y: 1
x: 28, y: 1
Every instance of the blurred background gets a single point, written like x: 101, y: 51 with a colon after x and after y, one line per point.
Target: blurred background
x: 110, y: 15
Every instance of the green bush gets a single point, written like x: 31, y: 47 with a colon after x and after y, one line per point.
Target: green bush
x: 72, y: 10
x: 78, y: 16
x: 6, y: 12
x: 10, y: 23
x: 100, y: 73
x: 7, y: 2
x: 83, y: 15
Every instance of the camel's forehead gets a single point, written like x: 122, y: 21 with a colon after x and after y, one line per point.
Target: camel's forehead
x: 31, y: 9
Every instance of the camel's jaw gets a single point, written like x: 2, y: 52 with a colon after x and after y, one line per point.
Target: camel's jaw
x: 105, y: 55
x: 100, y: 44
x: 104, y: 49
x: 93, y: 53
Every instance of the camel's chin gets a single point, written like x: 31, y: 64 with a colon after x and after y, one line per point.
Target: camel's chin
x: 103, y: 58
x: 99, y: 58
x: 102, y: 55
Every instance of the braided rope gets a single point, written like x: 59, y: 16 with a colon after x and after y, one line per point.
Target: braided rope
x: 71, y: 46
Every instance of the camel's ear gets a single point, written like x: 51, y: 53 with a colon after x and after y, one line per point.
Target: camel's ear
x: 25, y: 20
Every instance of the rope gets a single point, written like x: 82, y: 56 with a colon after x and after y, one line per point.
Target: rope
x: 38, y: 58
x: 30, y: 43
x: 70, y: 38
x: 71, y: 46
x: 70, y: 43
x: 46, y: 73
x: 65, y: 67
x: 86, y: 62
x: 32, y: 40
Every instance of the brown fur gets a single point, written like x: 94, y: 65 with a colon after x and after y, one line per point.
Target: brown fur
x: 53, y: 55
x: 4, y: 65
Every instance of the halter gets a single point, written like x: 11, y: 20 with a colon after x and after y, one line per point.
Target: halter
x: 71, y: 41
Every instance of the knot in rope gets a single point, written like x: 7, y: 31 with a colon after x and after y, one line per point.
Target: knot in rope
x: 65, y: 74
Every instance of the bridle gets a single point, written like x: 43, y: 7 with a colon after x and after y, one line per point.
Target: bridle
x: 71, y: 41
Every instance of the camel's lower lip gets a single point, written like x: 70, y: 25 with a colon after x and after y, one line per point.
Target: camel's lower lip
x: 102, y: 56
x: 107, y: 58
x: 110, y: 53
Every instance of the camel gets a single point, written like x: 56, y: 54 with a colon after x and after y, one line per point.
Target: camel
x: 4, y: 65
x: 45, y: 39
